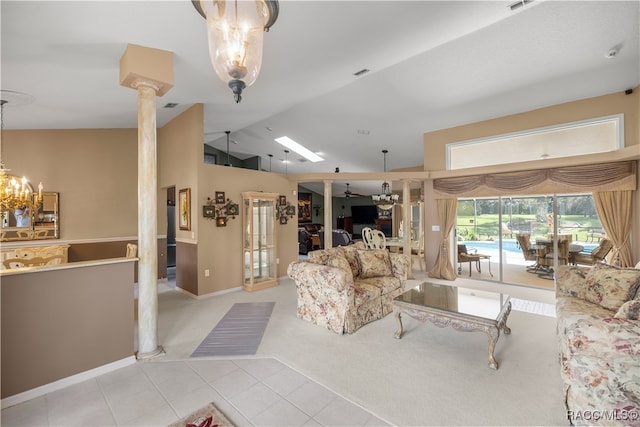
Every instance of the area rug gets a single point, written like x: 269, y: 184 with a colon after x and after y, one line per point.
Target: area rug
x: 207, y: 416
x: 239, y: 332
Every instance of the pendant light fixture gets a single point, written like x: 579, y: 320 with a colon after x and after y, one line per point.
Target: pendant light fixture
x: 385, y: 200
x: 235, y: 29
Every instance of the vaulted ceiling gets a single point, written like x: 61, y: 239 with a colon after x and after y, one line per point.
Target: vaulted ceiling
x: 433, y: 65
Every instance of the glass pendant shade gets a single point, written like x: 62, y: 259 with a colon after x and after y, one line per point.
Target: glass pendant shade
x: 236, y: 32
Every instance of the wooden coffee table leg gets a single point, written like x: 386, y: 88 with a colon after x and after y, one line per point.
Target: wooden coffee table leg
x: 398, y: 334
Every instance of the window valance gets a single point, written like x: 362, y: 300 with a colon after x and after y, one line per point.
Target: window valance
x: 615, y: 176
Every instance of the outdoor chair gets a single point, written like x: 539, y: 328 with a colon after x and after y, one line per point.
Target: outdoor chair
x: 529, y: 253
x: 465, y: 256
x: 597, y: 254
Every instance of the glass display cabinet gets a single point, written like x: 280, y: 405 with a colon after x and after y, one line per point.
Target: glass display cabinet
x: 259, y: 240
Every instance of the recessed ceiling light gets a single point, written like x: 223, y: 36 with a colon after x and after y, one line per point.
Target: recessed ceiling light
x: 364, y: 131
x: 361, y: 72
x: 295, y: 147
x: 170, y: 105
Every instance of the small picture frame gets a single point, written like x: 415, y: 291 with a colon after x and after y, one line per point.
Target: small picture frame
x: 283, y: 220
x: 233, y: 209
x: 291, y: 210
x: 184, y: 206
x: 282, y: 200
x: 221, y: 221
x: 220, y: 199
x: 209, y: 211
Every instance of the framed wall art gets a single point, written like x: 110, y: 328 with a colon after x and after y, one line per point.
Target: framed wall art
x: 184, y: 202
x: 220, y: 197
x: 304, y: 207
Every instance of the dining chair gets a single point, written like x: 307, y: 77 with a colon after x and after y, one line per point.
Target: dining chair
x: 366, y: 236
x: 32, y: 262
x: 132, y: 250
x: 378, y: 240
x: 524, y: 240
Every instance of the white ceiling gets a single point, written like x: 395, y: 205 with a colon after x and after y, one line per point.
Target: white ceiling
x: 433, y: 65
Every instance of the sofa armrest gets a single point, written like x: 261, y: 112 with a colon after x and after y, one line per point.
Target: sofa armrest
x: 322, y: 278
x: 400, y: 265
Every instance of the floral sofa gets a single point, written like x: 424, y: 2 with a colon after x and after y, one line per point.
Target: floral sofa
x: 599, y: 335
x: 346, y: 287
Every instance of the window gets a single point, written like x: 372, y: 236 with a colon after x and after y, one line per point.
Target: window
x: 571, y: 139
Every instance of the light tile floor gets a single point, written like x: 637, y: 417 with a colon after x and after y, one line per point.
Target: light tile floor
x: 251, y: 391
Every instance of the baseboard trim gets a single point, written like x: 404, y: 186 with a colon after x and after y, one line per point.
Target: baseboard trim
x: 209, y: 295
x: 65, y: 382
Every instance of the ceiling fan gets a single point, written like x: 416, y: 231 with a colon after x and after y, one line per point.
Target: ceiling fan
x: 348, y: 193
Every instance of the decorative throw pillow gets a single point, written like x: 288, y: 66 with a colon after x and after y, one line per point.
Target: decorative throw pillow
x: 321, y: 256
x: 374, y: 263
x: 318, y: 257
x: 629, y: 310
x: 338, y: 260
x: 610, y: 286
x: 352, y: 257
x: 571, y: 280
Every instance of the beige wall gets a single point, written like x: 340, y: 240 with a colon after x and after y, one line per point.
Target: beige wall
x: 615, y: 103
x: 435, y: 142
x: 64, y: 321
x: 220, y: 248
x: 94, y: 170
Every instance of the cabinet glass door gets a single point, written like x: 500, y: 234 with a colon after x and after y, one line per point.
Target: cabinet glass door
x: 259, y: 241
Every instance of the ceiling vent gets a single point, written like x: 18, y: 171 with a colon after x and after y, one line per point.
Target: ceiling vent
x: 361, y: 72
x: 519, y: 4
x: 171, y: 105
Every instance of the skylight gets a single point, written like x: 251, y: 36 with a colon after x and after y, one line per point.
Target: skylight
x: 297, y: 148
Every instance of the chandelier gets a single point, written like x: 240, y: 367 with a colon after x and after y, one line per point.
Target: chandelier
x: 15, y: 193
x: 385, y: 200
x: 235, y: 29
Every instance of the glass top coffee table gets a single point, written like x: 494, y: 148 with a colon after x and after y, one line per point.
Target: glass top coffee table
x: 463, y: 309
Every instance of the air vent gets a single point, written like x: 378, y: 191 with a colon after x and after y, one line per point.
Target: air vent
x: 170, y: 105
x: 361, y: 72
x: 519, y: 4
x: 302, y: 160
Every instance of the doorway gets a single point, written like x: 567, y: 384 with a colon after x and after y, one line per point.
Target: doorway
x: 171, y: 233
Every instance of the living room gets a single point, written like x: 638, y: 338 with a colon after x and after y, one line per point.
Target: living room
x: 425, y: 378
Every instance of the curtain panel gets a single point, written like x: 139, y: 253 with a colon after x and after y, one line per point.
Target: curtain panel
x: 615, y: 176
x: 443, y: 269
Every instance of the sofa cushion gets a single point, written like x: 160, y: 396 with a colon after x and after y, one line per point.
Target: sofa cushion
x: 629, y: 310
x: 338, y: 260
x: 384, y: 284
x: 611, y: 286
x: 374, y: 263
x: 571, y: 281
x: 322, y: 256
x: 352, y: 257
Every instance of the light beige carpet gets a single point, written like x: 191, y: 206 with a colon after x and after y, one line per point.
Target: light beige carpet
x: 207, y: 416
x: 432, y: 376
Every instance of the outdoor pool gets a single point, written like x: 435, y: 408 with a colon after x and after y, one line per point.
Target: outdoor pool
x: 509, y: 245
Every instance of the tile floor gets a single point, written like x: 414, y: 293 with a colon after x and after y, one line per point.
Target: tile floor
x: 251, y: 391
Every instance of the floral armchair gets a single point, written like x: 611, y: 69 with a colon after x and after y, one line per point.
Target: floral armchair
x: 346, y: 287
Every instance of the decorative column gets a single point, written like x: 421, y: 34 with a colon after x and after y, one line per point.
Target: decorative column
x: 150, y: 72
x: 328, y: 217
x: 406, y: 223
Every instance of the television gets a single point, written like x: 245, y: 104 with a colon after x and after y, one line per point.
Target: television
x: 364, y: 214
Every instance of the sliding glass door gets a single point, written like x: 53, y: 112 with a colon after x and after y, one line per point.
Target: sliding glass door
x: 507, y: 239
